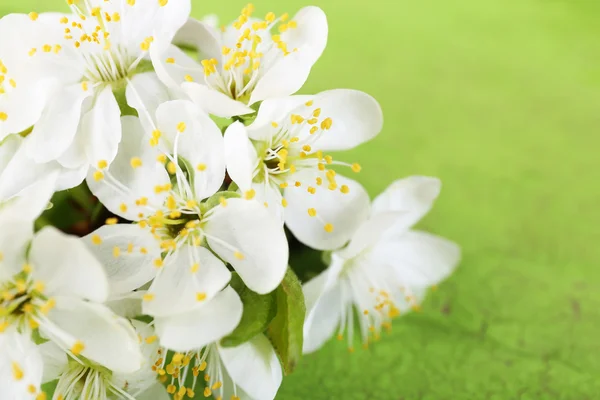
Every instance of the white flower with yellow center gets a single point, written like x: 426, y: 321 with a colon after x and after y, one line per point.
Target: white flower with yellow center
x: 282, y: 157
x: 168, y: 187
x: 81, y: 60
x: 90, y: 381
x: 245, y: 63
x: 383, y: 271
x: 50, y: 283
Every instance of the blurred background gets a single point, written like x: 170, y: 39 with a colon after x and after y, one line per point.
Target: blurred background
x: 500, y: 99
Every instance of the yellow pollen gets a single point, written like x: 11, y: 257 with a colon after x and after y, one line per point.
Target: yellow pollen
x: 201, y: 167
x: 158, y: 263
x: 356, y: 167
x: 189, y: 78
x: 148, y: 297
x: 96, y: 239
x: 328, y: 228
x: 284, y: 203
x: 306, y: 148
x: 200, y: 296
x: 98, y: 176
x: 309, y: 103
x: 3, y: 116
x: 102, y: 164
x: 312, y: 212
x: 223, y: 201
x: 170, y: 60
x: 116, y: 252
x: 162, y: 158
x: 207, y: 392
x: 345, y: 189
x: 111, y: 221
x: 195, y: 268
x: 171, y: 168
x: 238, y: 255
x: 33, y: 16
x: 163, y: 3
x: 249, y: 195
x: 136, y: 162
x: 123, y: 207
x: 77, y: 348
x: 181, y: 127
x: 17, y: 371
x: 274, y: 124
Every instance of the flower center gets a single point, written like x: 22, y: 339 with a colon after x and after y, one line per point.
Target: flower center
x: 248, y: 55
x: 22, y: 302
x: 87, y: 382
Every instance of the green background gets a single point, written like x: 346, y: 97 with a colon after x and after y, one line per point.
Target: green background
x: 500, y: 99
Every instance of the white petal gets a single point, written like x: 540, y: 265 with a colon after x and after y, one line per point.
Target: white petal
x: 254, y: 367
x: 127, y: 306
x: 20, y: 351
x: 55, y: 361
x: 214, y: 102
x: 66, y: 267
x: 132, y: 267
x: 240, y: 156
x: 247, y: 227
x: 357, y: 118
x: 14, y: 240
x: 108, y: 339
x: 346, y: 212
x: 413, y: 196
x: 189, y: 272
x: 370, y: 233
x: 136, y: 183
x: 145, y: 92
x: 202, y: 326
x: 69, y: 178
x: 323, y: 317
x: 57, y: 127
x: 177, y: 70
x: 310, y: 36
x: 273, y: 110
x: 202, y: 36
x: 269, y: 195
x: 289, y: 74
x: 419, y: 259
x: 201, y: 144
x: 32, y: 201
x: 101, y: 127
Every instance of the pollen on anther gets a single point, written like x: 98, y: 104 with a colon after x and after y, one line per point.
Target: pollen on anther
x: 356, y: 167
x: 249, y: 195
x: 200, y: 296
x: 148, y: 297
x: 111, y: 221
x: 181, y: 127
x: 96, y: 239
x: 136, y: 162
x: 238, y: 255
x: 328, y: 228
x: 77, y: 348
x: 312, y: 212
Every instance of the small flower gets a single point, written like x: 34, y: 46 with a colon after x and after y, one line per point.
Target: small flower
x: 51, y: 284
x: 246, y: 62
x: 76, y: 62
x: 383, y: 271
x: 169, y: 187
x: 285, y: 150
x: 78, y: 379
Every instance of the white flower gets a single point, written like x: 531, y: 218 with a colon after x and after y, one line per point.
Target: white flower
x: 89, y: 381
x: 244, y: 63
x: 77, y: 62
x: 249, y: 371
x: 163, y: 187
x: 18, y: 171
x: 284, y: 148
x: 51, y: 283
x: 384, y: 270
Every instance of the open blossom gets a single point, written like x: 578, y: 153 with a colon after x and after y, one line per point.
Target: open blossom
x: 383, y: 271
x: 282, y: 156
x: 50, y: 283
x: 247, y: 62
x: 78, y: 62
x: 90, y: 381
x: 169, y: 187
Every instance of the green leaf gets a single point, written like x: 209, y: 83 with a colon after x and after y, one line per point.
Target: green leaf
x: 285, y: 331
x: 259, y: 311
x: 215, y: 199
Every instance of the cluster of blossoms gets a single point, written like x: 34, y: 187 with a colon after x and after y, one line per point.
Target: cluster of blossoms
x: 192, y: 141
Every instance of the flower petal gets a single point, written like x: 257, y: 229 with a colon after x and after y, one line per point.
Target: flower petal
x: 200, y: 144
x: 273, y: 110
x: 56, y: 129
x: 202, y: 326
x: 240, y: 156
x: 21, y: 365
x: 344, y: 212
x: 419, y: 259
x: 101, y: 128
x: 145, y: 92
x: 154, y: 392
x: 55, y: 361
x: 214, y: 102
x: 131, y: 266
x: 66, y: 267
x: 370, y: 233
x: 254, y: 367
x: 173, y: 67
x: 289, y: 74
x: 323, y: 318
x: 201, y: 36
x: 190, y: 278
x: 356, y: 118
x: 413, y: 196
x: 136, y: 182
x: 102, y: 336
x: 252, y: 240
